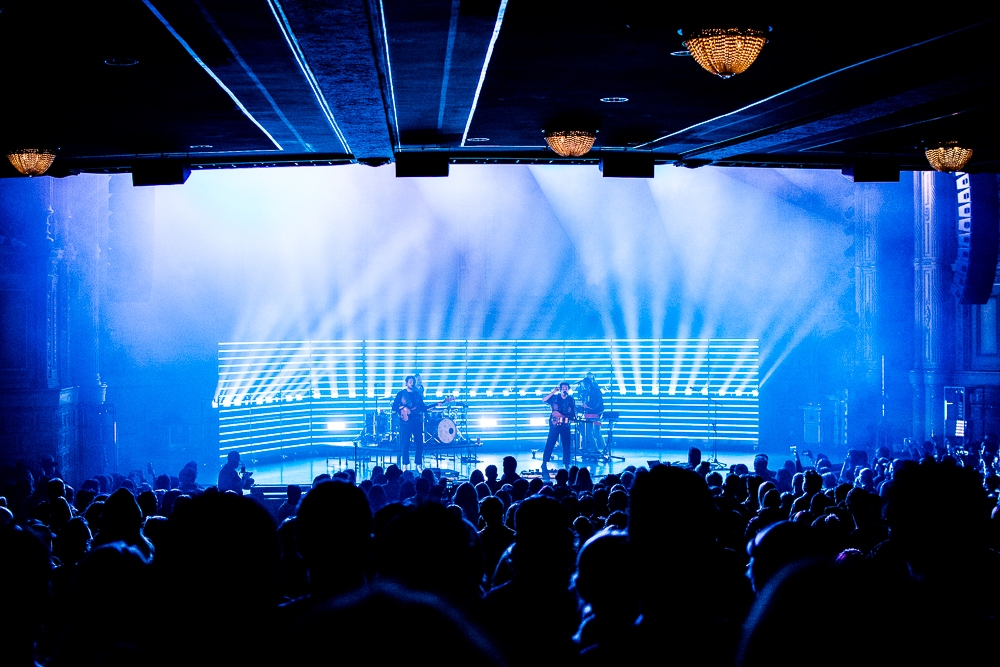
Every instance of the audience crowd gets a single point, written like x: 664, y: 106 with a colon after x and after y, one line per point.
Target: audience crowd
x: 887, y: 557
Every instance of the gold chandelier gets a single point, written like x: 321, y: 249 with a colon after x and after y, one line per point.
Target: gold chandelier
x: 31, y: 161
x: 571, y: 143
x: 948, y: 156
x: 725, y: 51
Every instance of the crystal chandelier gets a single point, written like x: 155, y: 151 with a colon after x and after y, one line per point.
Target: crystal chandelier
x: 571, y: 143
x: 31, y: 161
x: 725, y: 51
x: 948, y: 156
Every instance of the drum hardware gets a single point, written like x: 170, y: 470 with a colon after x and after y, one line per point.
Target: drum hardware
x: 611, y: 417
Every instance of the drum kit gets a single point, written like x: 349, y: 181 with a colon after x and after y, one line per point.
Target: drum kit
x: 443, y: 427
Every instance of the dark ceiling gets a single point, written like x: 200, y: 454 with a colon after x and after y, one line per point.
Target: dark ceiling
x: 222, y: 83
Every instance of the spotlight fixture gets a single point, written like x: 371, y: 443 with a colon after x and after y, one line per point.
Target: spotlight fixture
x: 725, y: 51
x: 32, y: 161
x: 570, y: 143
x: 478, y: 139
x: 948, y: 156
x: 614, y: 100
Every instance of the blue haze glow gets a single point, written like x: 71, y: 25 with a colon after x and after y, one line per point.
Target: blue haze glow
x: 499, y: 252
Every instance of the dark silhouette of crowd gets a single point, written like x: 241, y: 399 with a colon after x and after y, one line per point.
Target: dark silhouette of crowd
x: 885, y: 558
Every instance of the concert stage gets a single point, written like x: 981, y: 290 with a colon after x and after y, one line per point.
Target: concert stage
x: 456, y: 463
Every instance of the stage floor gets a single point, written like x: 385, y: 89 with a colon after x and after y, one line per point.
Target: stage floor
x: 456, y: 464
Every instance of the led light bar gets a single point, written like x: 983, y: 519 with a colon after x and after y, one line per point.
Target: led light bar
x: 288, y: 394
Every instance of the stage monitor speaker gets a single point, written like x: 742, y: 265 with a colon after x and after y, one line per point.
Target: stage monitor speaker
x: 415, y: 165
x: 160, y: 172
x: 871, y: 171
x: 975, y: 267
x: 627, y: 165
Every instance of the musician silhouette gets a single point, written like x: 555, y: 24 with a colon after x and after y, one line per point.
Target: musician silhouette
x: 409, y: 405
x: 563, y: 414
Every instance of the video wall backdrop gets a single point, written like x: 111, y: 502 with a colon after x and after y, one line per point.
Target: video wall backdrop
x: 273, y: 396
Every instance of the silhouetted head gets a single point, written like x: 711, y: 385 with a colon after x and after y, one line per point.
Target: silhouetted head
x: 55, y: 488
x: 491, y: 472
x: 519, y: 489
x: 694, y: 456
x: 103, y: 627
x: 233, y: 458
x: 121, y: 518
x: 543, y: 545
x: 376, y: 498
x: 189, y: 473
x: 779, y: 545
x: 147, y: 503
x: 935, y: 516
x: 466, y: 498
x: 812, y: 482
x: 73, y: 541
x: 491, y: 509
x: 428, y: 548
x: 617, y: 520
x: 618, y: 501
x: 222, y: 540
x: 509, y: 464
x: 482, y: 490
x: 606, y: 552
x: 333, y: 532
x: 562, y: 475
x: 670, y: 503
x: 476, y: 477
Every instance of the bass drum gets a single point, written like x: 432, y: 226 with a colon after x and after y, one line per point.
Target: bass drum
x: 377, y: 422
x: 441, y: 429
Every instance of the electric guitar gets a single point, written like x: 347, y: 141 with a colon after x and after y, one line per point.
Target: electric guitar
x: 558, y: 419
x: 405, y: 412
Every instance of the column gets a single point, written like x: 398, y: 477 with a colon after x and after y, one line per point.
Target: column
x: 934, y: 305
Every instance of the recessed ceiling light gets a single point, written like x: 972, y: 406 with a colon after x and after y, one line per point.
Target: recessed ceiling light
x: 614, y: 99
x: 123, y: 61
x: 683, y: 53
x: 200, y: 146
x: 478, y: 139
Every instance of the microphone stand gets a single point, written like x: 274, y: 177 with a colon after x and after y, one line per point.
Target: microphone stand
x: 714, y: 429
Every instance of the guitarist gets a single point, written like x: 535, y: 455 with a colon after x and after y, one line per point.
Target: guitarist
x: 563, y: 414
x: 409, y: 405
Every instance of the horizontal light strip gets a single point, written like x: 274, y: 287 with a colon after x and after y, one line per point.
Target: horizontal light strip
x: 277, y: 395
